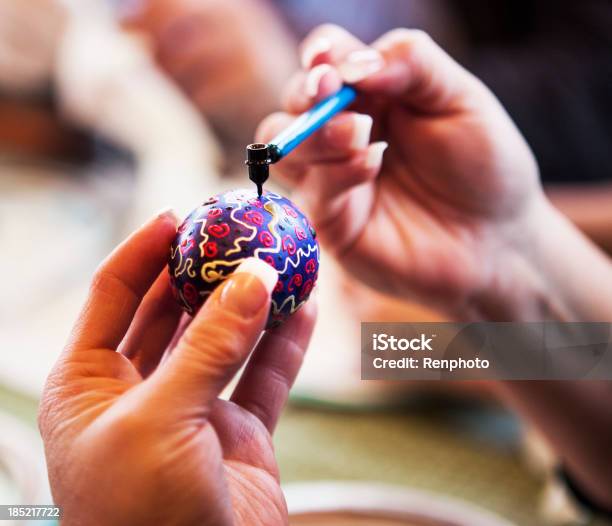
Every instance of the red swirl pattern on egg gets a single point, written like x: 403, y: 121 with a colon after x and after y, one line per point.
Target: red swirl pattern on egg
x: 230, y: 227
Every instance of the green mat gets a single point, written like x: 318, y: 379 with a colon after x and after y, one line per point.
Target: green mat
x: 407, y: 449
x: 423, y: 447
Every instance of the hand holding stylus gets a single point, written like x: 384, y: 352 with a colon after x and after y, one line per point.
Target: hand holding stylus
x: 453, y: 214
x: 456, y: 182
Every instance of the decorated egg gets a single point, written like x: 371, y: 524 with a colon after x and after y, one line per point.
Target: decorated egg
x: 230, y: 227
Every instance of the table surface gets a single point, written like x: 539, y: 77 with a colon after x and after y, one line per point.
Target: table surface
x: 423, y: 446
x: 418, y: 448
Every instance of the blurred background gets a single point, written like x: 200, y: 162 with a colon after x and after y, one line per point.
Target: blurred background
x: 111, y: 110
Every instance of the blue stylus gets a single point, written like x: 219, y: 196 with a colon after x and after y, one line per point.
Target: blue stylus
x: 260, y: 156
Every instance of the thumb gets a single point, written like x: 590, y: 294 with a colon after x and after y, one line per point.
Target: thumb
x: 218, y: 340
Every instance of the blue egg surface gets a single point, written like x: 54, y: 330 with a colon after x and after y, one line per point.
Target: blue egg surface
x: 230, y: 227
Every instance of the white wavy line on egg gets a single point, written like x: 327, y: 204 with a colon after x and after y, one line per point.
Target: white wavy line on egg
x: 300, y: 252
x: 291, y: 299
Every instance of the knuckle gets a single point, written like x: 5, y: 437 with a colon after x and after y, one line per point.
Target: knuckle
x: 400, y: 33
x: 279, y: 376
x: 108, y: 283
x: 219, y: 346
x: 407, y: 40
x: 325, y: 30
x: 100, y: 276
x: 103, y: 280
x: 260, y: 410
x: 419, y: 36
x: 413, y: 36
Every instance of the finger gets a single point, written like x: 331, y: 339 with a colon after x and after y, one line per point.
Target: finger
x: 340, y: 196
x: 184, y: 322
x: 217, y: 342
x: 325, y: 181
x: 416, y: 69
x: 404, y: 63
x: 287, y: 170
x: 309, y: 87
x: 271, y: 370
x: 328, y: 44
x: 243, y: 437
x: 120, y: 283
x: 322, y: 52
x: 154, y: 325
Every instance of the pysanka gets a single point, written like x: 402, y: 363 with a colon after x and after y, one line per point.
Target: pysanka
x: 218, y: 235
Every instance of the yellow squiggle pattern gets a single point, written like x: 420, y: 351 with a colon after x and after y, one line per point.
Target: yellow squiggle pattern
x: 184, y: 265
x: 210, y: 274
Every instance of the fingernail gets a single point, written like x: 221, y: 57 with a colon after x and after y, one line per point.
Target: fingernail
x: 354, y: 127
x: 249, y: 288
x: 375, y: 154
x: 362, y: 128
x: 314, y: 48
x: 167, y: 212
x: 313, y: 79
x: 261, y: 270
x: 359, y: 65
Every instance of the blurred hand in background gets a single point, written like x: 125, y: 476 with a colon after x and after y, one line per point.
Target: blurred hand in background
x: 231, y: 58
x: 130, y: 441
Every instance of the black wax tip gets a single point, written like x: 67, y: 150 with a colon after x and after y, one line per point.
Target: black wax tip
x: 258, y: 152
x: 258, y: 163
